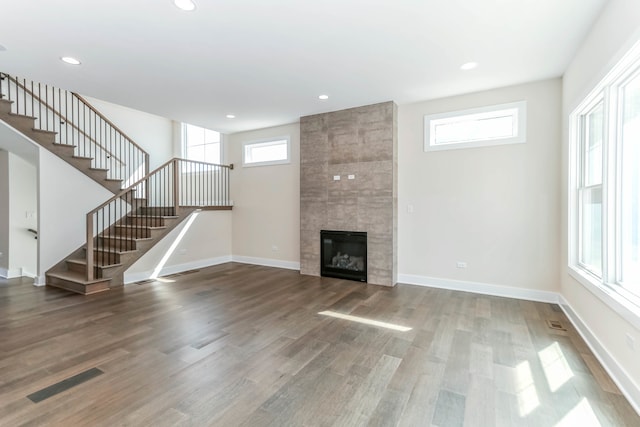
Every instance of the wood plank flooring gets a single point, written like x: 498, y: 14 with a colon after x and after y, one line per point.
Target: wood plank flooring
x: 242, y: 345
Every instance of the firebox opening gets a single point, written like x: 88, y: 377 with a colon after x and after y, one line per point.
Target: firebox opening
x: 344, y: 254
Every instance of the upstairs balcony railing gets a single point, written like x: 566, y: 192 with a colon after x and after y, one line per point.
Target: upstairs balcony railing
x: 78, y: 124
x: 176, y: 185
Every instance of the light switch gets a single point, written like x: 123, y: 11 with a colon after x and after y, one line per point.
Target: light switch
x: 336, y: 177
x: 351, y: 176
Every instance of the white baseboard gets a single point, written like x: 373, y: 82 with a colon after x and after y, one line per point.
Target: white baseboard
x: 39, y: 281
x: 178, y: 268
x: 624, y: 382
x: 267, y: 262
x: 10, y: 273
x: 481, y: 288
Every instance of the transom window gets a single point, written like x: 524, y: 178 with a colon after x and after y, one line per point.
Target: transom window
x: 201, y: 144
x: 605, y: 185
x: 272, y: 151
x: 478, y: 127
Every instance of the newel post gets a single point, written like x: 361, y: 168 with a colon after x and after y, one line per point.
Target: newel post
x: 176, y: 185
x: 90, y: 246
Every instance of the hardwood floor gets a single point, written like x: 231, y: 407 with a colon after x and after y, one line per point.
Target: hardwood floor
x: 244, y: 345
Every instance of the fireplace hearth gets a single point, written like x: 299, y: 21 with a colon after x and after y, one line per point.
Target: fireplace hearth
x: 343, y: 254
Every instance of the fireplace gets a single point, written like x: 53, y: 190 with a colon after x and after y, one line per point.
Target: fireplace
x: 343, y: 254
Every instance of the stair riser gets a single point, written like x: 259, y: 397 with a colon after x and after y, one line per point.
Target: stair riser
x: 78, y: 287
x: 141, y: 232
x: 5, y: 106
x: 149, y: 222
x: 157, y: 211
x: 117, y: 244
x: 79, y: 268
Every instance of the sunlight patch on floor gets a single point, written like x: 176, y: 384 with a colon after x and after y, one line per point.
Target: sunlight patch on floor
x: 580, y: 415
x: 526, y: 389
x: 365, y: 321
x: 555, y: 366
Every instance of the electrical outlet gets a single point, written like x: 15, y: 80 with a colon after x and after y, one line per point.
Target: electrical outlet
x: 631, y: 341
x: 461, y: 264
x: 351, y: 177
x: 274, y: 248
x: 336, y: 177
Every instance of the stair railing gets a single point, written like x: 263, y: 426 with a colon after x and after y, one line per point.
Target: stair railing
x: 78, y: 124
x: 177, y: 184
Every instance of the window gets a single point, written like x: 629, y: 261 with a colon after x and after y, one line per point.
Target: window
x: 266, y: 152
x: 478, y: 127
x: 604, y: 218
x: 201, y: 144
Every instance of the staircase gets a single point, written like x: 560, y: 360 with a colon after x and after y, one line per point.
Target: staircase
x: 145, y: 206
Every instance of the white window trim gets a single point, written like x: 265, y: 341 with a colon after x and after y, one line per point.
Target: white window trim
x: 521, y: 127
x: 262, y: 141
x: 606, y: 288
x: 183, y: 144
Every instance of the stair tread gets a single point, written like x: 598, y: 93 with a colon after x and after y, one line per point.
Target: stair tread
x: 80, y: 157
x: 73, y: 276
x: 109, y: 250
x: 95, y: 263
x: 99, y: 169
x: 57, y: 144
x: 134, y: 239
x: 45, y: 131
x: 113, y: 179
x: 22, y: 115
x: 135, y: 227
x: 152, y: 216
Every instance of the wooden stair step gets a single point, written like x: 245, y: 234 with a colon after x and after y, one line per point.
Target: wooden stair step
x: 76, y: 282
x: 83, y: 263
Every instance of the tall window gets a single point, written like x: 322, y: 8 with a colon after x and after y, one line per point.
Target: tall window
x: 605, y: 218
x: 201, y: 144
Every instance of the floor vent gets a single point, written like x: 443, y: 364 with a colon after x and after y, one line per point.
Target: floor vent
x: 556, y: 325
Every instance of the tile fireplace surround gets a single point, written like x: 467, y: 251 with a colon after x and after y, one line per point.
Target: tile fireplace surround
x: 358, y: 145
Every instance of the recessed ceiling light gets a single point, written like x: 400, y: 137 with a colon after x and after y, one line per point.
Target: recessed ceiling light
x: 70, y: 60
x: 231, y: 116
x: 323, y: 97
x: 468, y: 66
x: 187, y: 5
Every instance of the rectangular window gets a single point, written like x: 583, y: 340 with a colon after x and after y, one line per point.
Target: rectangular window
x: 590, y: 190
x: 200, y: 144
x: 604, y: 239
x: 266, y: 152
x: 629, y: 232
x: 478, y: 127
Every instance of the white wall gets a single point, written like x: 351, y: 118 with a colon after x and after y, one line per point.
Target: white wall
x: 66, y: 196
x: 201, y: 242
x: 613, y: 34
x: 152, y: 133
x: 266, y: 212
x: 4, y: 213
x: 495, y: 208
x: 23, y: 207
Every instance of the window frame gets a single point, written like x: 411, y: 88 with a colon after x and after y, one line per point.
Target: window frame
x: 184, y: 147
x: 520, y: 125
x: 607, y: 286
x: 264, y: 141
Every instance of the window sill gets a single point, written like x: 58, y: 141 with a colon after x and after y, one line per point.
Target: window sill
x: 625, y: 308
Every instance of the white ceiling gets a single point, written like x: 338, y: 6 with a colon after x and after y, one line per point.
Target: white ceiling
x: 267, y: 61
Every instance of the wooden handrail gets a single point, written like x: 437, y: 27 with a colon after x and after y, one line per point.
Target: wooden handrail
x: 135, y: 184
x: 84, y: 101
x: 73, y: 125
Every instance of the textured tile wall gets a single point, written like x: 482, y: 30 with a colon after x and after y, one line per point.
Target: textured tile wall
x: 362, y: 142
